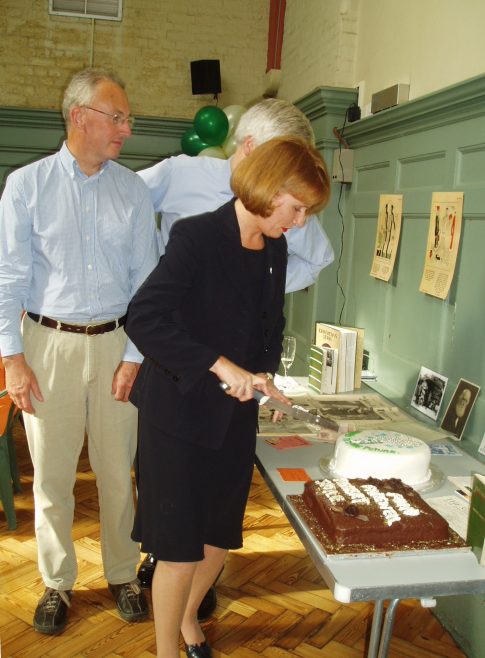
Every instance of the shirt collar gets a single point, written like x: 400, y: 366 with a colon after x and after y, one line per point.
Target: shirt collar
x: 70, y: 164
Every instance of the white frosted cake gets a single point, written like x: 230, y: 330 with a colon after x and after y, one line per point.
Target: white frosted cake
x: 381, y: 454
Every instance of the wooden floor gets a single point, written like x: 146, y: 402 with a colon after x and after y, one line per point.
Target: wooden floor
x: 271, y: 601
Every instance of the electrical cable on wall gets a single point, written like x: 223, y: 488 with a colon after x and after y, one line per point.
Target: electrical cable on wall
x: 343, y: 167
x: 341, y: 142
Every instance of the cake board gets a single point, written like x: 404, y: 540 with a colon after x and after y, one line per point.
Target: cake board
x: 454, y: 543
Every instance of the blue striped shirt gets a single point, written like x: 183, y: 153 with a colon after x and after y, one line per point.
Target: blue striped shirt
x: 182, y: 186
x: 72, y: 247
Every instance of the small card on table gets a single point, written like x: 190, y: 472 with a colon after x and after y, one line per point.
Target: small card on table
x: 294, y: 474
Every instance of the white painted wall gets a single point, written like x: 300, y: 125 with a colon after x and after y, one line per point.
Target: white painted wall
x: 429, y: 44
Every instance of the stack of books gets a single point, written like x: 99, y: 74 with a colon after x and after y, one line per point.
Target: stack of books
x: 322, y: 373
x: 336, y: 358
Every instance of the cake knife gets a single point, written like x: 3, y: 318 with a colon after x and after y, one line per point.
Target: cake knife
x: 294, y: 410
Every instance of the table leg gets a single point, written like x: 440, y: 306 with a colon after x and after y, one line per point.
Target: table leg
x: 387, y: 628
x: 375, y: 633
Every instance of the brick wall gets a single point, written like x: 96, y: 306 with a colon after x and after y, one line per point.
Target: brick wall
x: 151, y: 49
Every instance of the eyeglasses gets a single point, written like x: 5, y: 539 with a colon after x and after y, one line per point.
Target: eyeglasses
x: 117, y: 119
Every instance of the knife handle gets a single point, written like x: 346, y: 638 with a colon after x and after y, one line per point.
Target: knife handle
x: 262, y: 399
x: 257, y: 395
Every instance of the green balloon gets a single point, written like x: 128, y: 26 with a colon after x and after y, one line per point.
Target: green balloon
x: 191, y: 142
x: 212, y: 125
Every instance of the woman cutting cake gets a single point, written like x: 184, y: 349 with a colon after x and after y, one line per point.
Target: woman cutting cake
x: 212, y: 313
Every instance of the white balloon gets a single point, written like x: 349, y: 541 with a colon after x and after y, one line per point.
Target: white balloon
x: 229, y: 146
x: 233, y: 113
x: 213, y: 152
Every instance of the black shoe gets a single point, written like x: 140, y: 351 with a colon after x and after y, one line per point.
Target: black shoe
x: 146, y: 570
x: 145, y: 576
x: 198, y: 650
x: 207, y: 605
x: 130, y: 601
x: 50, y: 616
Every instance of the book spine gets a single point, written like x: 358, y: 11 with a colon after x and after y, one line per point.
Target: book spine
x: 322, y: 371
x: 475, y: 535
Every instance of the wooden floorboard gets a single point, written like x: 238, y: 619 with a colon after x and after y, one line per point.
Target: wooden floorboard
x: 272, y: 602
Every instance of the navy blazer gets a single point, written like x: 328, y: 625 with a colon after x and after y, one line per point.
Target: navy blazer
x: 194, y: 307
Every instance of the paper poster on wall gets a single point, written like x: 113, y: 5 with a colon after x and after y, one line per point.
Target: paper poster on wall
x: 387, y: 236
x: 443, y: 241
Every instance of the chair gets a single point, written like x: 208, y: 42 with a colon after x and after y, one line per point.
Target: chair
x: 9, y: 474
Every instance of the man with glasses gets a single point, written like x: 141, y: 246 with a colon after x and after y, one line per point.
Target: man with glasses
x: 77, y: 238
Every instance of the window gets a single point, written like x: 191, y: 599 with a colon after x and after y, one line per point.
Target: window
x: 106, y: 9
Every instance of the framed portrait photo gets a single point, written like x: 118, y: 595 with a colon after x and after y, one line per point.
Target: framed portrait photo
x: 428, y: 393
x: 459, y: 408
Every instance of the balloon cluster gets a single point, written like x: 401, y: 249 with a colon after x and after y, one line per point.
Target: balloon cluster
x: 213, y: 132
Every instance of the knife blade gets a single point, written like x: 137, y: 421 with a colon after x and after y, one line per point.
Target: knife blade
x: 294, y: 410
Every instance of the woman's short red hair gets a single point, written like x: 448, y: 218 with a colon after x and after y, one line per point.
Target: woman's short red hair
x: 281, y: 165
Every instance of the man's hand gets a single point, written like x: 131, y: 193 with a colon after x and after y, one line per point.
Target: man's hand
x: 21, y: 382
x: 123, y: 380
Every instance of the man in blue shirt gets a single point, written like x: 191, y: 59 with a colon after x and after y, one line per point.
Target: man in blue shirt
x: 77, y: 238
x: 182, y: 186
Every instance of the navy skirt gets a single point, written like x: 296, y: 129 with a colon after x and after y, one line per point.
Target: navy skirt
x: 189, y: 495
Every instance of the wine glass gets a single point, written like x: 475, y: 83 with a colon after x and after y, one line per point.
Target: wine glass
x: 288, y: 353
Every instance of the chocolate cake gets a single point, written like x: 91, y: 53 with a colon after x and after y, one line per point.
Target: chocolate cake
x: 378, y: 513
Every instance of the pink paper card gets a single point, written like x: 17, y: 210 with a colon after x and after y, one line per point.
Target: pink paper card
x: 286, y: 442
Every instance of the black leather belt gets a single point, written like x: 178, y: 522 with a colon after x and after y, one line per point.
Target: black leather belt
x: 89, y: 329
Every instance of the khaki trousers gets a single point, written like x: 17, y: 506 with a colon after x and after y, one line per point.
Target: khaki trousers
x: 75, y: 374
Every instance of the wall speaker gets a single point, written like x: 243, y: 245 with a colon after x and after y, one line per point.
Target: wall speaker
x: 389, y: 97
x: 206, y: 76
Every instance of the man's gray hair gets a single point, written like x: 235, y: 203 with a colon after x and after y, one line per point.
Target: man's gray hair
x: 271, y: 118
x: 82, y: 87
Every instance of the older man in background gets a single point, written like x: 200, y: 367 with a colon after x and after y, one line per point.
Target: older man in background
x: 182, y: 186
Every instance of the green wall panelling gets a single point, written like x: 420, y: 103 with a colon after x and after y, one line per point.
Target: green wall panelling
x: 27, y: 135
x: 435, y: 143
x: 471, y: 165
x: 325, y: 107
x: 426, y: 158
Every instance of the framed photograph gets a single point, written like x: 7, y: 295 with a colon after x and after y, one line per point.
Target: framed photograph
x: 428, y: 394
x: 459, y: 409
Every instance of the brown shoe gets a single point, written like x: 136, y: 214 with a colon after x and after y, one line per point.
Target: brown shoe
x: 130, y: 601
x: 50, y: 616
